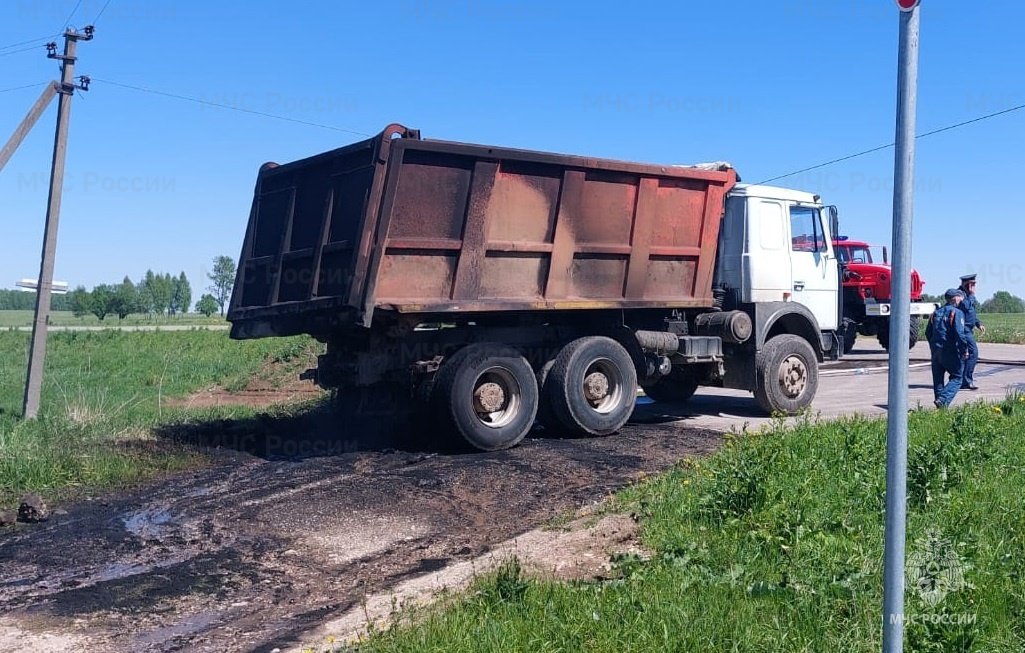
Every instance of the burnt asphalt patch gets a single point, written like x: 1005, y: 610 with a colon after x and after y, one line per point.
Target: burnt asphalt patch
x: 273, y: 540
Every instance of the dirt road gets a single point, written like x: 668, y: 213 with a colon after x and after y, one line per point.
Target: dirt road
x: 292, y: 526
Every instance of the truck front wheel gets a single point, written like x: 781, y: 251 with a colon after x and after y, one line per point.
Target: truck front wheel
x: 787, y: 375
x: 592, y: 386
x: 488, y: 394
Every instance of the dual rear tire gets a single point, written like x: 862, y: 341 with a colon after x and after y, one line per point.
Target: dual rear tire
x: 490, y: 395
x: 591, y: 387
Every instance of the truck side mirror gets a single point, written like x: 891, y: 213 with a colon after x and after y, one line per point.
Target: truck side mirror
x: 886, y: 255
x: 834, y: 221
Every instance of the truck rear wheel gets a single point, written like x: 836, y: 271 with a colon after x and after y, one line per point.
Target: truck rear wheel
x: 592, y: 386
x: 675, y: 388
x: 787, y: 375
x: 487, y: 393
x: 545, y: 415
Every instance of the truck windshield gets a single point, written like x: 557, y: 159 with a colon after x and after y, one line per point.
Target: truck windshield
x: 860, y: 254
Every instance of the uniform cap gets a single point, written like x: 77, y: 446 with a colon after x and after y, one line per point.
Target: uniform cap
x: 953, y: 292
x: 968, y: 277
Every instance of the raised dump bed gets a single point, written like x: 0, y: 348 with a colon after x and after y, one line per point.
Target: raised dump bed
x: 397, y: 225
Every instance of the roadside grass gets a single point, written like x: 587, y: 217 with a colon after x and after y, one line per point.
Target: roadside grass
x: 104, y: 392
x: 775, y: 544
x: 10, y: 319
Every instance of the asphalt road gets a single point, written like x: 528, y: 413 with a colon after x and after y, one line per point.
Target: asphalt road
x: 858, y: 385
x: 294, y: 525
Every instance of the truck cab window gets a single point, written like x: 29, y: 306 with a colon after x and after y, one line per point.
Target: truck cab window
x: 861, y: 255
x: 806, y: 230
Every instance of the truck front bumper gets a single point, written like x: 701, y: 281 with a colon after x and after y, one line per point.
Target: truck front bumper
x: 882, y: 309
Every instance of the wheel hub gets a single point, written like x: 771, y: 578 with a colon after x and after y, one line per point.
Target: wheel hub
x: 596, y: 387
x: 793, y: 376
x: 489, y: 398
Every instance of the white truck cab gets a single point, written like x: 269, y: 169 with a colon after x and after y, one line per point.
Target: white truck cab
x: 775, y: 245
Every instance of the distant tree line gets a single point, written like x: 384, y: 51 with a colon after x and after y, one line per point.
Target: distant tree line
x: 20, y: 300
x: 154, y: 294
x: 1001, y: 302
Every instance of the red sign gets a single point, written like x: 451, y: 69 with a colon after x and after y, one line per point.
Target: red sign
x: 907, y: 5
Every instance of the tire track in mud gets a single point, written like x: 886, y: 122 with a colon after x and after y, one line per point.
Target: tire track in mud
x: 252, y: 553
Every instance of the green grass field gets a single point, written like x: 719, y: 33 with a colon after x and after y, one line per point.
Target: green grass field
x: 65, y: 318
x: 775, y: 544
x: 103, y: 393
x: 1001, y: 328
x: 1007, y: 328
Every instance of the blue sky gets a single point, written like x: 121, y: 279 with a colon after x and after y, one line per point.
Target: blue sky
x: 772, y: 86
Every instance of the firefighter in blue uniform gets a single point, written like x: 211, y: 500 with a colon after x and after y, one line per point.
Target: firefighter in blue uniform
x: 948, y: 345
x: 970, y: 308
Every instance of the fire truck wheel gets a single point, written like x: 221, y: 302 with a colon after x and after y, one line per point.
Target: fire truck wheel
x: 850, y: 335
x: 913, y: 333
x: 916, y: 330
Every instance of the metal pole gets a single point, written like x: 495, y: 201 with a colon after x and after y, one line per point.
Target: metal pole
x: 26, y: 125
x: 37, y: 351
x: 900, y: 324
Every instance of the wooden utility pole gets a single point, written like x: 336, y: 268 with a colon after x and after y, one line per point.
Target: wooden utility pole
x: 26, y: 125
x: 66, y: 89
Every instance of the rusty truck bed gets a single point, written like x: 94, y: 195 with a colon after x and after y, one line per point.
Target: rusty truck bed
x: 395, y: 223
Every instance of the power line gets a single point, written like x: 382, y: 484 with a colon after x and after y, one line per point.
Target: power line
x: 884, y: 147
x: 34, y: 47
x: 41, y: 39
x: 18, y: 88
x: 49, y: 37
x: 229, y: 107
x: 67, y: 21
x: 103, y: 9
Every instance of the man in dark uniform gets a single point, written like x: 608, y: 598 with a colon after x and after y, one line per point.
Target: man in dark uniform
x: 948, y: 345
x: 970, y: 308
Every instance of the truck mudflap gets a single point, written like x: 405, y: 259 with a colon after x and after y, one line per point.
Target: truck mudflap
x: 883, y: 309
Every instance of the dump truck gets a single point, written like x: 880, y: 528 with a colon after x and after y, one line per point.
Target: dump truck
x: 867, y: 293
x: 488, y: 288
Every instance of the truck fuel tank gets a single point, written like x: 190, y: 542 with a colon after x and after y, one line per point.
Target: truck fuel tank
x: 733, y: 327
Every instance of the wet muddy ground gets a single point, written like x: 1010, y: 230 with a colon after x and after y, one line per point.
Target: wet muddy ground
x: 286, y: 532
